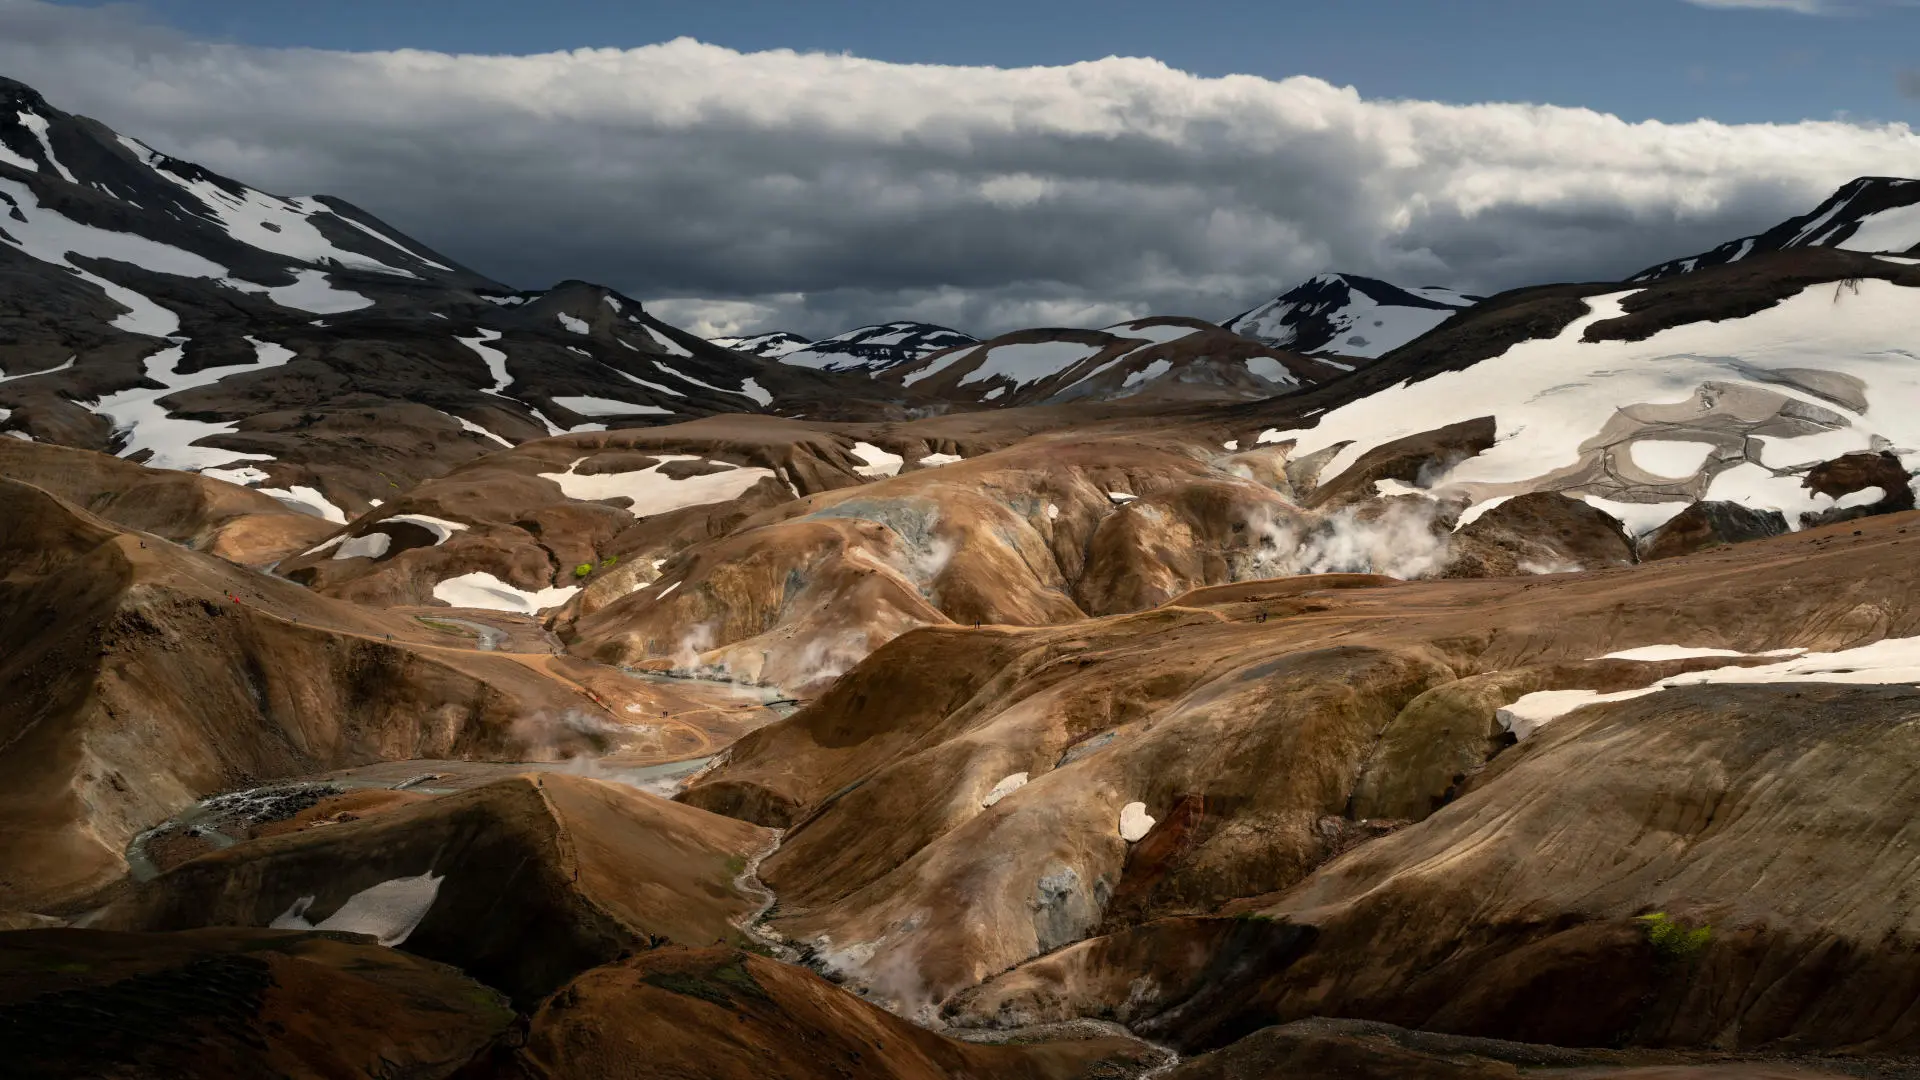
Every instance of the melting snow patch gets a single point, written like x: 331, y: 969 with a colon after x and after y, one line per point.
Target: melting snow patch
x: 389, y: 911
x: 684, y: 377
x: 1887, y: 662
x: 50, y: 237
x: 636, y: 380
x: 308, y: 500
x: 371, y: 546
x: 1639, y: 518
x: 1272, y: 370
x: 1023, y: 364
x: 599, y: 406
x: 311, y: 291
x: 441, y: 528
x: 1121, y: 498
x: 1655, y: 653
x: 878, y: 461
x: 1673, y: 459
x: 137, y: 415
x: 37, y: 124
x: 1551, y: 396
x: 1004, y: 788
x: 245, y: 475
x: 1135, y: 823
x: 468, y: 425
x: 482, y: 590
x: 753, y: 390
x: 495, y: 359
x: 654, y: 492
x: 1231, y: 444
x: 1477, y: 510
x: 1895, y: 229
x: 1389, y: 489
x: 930, y: 461
x: 1148, y: 374
x: 578, y: 326
x: 1752, y: 485
x: 1534, y: 711
x: 47, y: 371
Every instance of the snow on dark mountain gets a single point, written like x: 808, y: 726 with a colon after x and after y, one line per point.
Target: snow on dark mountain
x: 1163, y: 357
x: 1349, y: 315
x: 299, y: 345
x: 773, y: 345
x: 1779, y: 389
x: 876, y: 348
x: 1874, y: 214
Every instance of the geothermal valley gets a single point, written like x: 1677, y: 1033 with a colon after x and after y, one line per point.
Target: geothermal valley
x: 404, y: 675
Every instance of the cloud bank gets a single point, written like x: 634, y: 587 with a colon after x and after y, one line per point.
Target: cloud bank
x: 738, y: 192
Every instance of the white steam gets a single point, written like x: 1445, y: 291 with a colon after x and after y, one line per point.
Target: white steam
x: 1400, y: 538
x: 546, y: 736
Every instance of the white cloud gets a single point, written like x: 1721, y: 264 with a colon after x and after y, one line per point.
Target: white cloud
x: 813, y: 192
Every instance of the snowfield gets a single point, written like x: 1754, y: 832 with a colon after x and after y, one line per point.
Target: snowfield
x: 1889, y: 661
x: 654, y: 492
x: 142, y: 423
x: 482, y: 590
x: 1560, y: 403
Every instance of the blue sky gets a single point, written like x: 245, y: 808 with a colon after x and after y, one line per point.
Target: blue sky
x: 1641, y: 59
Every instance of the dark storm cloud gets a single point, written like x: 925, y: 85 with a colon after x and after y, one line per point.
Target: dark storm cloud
x: 815, y: 192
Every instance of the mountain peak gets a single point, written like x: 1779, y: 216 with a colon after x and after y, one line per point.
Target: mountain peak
x: 1348, y: 314
x: 1870, y: 214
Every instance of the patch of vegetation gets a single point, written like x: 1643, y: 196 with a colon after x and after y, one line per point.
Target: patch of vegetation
x: 736, y: 865
x: 721, y: 985
x: 1672, y: 940
x: 609, y: 562
x: 583, y: 570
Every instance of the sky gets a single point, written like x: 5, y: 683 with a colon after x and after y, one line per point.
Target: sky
x: 747, y: 165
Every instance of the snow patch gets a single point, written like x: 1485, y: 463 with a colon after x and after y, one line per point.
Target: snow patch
x: 142, y: 423
x: 1670, y: 458
x: 1004, y: 788
x: 307, y: 500
x: 1135, y: 822
x: 482, y: 590
x: 496, y: 360
x: 654, y: 492
x: 371, y: 546
x: 468, y: 425
x: 389, y: 912
x: 878, y: 462
x: 587, y: 405
x: 311, y: 291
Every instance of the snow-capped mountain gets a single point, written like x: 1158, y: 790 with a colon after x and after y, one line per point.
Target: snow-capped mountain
x: 300, y: 345
x: 772, y: 345
x: 1349, y: 315
x: 1784, y: 390
x: 873, y: 349
x: 1871, y: 214
x: 1160, y: 357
